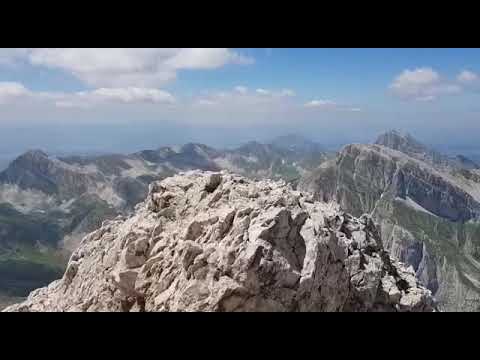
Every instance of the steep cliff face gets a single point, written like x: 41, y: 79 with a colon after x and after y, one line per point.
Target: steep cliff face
x: 206, y: 241
x: 428, y: 217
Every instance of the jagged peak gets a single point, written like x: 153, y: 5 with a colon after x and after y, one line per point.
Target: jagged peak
x: 30, y: 158
x: 400, y: 136
x: 34, y: 153
x: 404, y: 142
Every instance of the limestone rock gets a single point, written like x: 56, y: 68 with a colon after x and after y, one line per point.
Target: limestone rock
x: 218, y: 248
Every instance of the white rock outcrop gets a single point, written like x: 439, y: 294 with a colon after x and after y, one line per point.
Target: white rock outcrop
x: 206, y: 241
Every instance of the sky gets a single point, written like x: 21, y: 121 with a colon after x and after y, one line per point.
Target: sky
x: 123, y: 100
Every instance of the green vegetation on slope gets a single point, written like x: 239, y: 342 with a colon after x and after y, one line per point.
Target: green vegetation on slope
x: 26, y: 268
x: 29, y: 255
x: 442, y: 238
x: 88, y: 212
x: 28, y: 229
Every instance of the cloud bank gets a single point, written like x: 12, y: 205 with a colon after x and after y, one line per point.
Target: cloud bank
x: 426, y: 84
x: 422, y: 84
x: 123, y: 67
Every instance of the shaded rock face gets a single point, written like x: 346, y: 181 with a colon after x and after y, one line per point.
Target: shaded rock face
x: 374, y: 170
x: 35, y: 170
x: 428, y: 216
x: 206, y: 241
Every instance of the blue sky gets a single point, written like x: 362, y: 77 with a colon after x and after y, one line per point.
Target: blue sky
x: 349, y: 73
x: 128, y: 99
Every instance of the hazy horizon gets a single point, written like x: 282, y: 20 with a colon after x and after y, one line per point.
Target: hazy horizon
x: 125, y: 100
x: 63, y: 148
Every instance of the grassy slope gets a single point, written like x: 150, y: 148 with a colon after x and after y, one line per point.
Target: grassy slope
x: 24, y: 265
x: 18, y: 228
x: 26, y: 268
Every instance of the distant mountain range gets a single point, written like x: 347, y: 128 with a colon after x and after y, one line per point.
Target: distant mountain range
x: 47, y: 204
x: 426, y: 203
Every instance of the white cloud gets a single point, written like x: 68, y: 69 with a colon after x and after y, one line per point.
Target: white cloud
x: 426, y: 98
x: 10, y: 56
x: 467, y: 77
x: 71, y: 104
x: 262, y: 92
x: 281, y: 93
x: 9, y: 90
x: 241, y: 89
x: 239, y: 100
x: 330, y: 105
x: 321, y: 104
x: 240, y: 95
x: 110, y: 67
x: 206, y: 58
x: 235, y: 107
x: 238, y: 108
x: 205, y: 102
x: 469, y: 80
x: 287, y: 92
x: 129, y: 95
x: 133, y: 94
x: 422, y: 84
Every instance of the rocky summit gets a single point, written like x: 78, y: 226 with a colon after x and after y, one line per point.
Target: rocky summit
x: 215, y: 241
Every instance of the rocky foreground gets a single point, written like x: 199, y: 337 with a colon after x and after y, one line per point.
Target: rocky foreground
x: 206, y: 241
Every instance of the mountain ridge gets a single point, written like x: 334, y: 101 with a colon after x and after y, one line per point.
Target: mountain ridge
x: 427, y: 212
